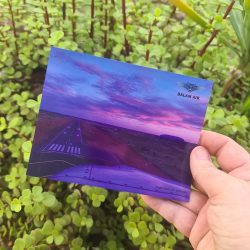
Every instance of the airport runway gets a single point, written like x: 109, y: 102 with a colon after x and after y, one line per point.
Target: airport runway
x: 67, y: 141
x: 67, y: 148
x: 68, y: 157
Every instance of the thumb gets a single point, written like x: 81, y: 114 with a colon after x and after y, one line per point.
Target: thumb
x: 210, y: 179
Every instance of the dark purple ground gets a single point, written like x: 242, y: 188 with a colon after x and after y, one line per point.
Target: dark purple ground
x: 77, y: 150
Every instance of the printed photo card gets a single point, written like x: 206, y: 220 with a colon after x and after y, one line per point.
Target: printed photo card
x: 118, y: 126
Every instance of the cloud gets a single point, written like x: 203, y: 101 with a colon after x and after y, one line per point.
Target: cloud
x: 127, y: 100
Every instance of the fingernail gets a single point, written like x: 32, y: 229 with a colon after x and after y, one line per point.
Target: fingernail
x: 202, y: 154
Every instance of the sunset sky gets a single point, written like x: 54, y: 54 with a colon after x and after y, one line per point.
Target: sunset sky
x: 124, y: 95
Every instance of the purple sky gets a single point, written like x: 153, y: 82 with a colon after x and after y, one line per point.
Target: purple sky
x: 124, y: 95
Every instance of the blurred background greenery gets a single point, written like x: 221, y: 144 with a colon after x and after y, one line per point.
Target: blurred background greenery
x: 208, y: 39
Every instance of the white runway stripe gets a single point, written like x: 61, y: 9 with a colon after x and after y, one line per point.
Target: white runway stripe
x: 68, y: 149
x: 72, y: 150
x: 58, y: 149
x: 62, y: 148
x: 51, y: 146
x: 55, y: 147
x: 79, y: 151
x: 76, y: 150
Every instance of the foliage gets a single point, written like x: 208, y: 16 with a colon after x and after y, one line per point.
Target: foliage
x: 43, y: 214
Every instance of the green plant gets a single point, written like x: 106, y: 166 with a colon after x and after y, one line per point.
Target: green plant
x: 43, y: 214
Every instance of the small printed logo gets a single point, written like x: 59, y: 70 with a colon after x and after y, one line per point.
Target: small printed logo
x: 190, y: 87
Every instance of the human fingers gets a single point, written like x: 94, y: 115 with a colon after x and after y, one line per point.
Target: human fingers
x: 200, y: 228
x: 242, y: 173
x: 210, y: 179
x: 230, y: 155
x: 196, y: 202
x: 173, y: 212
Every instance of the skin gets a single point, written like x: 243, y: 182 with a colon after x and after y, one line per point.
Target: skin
x: 218, y: 213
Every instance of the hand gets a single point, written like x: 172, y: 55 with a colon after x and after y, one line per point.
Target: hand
x: 218, y: 213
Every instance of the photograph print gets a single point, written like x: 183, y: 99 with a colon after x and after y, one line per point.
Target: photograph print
x: 116, y: 125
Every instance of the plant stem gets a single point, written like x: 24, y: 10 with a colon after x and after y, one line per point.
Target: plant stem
x: 105, y: 39
x: 64, y: 11
x: 20, y: 134
x: 235, y: 75
x: 73, y: 20
x: 112, y: 19
x: 46, y: 17
x: 13, y: 26
x: 150, y: 34
x: 126, y: 44
x: 92, y: 14
x: 214, y: 33
x: 212, y: 19
x: 171, y: 15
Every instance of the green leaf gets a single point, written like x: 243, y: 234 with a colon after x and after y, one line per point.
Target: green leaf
x: 48, y: 227
x: 142, y: 226
x: 77, y: 242
x: 55, y: 37
x: 236, y: 19
x: 49, y: 199
x: 190, y: 12
x: 130, y: 226
x: 2, y: 124
x: 247, y: 5
x: 152, y: 238
x: 16, y: 121
x: 36, y: 190
x: 135, y: 233
x: 58, y: 239
x: 119, y: 209
x: 96, y: 203
x: 111, y: 244
x: 246, y: 105
x: 34, y: 180
x: 19, y: 244
x: 219, y: 114
x: 157, y: 12
x: 89, y: 222
x: 134, y: 216
x: 26, y: 146
x: 171, y: 241
x: 50, y: 239
x: 31, y: 103
x: 15, y: 205
x: 158, y: 227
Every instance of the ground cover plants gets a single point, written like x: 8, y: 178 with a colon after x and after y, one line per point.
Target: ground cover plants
x: 208, y: 39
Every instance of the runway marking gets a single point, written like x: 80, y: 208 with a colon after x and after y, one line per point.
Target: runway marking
x: 76, y: 150
x: 57, y: 135
x: 72, y: 133
x: 52, y: 161
x: 65, y: 153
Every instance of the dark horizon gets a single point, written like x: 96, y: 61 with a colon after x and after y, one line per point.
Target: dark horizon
x: 71, y: 116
